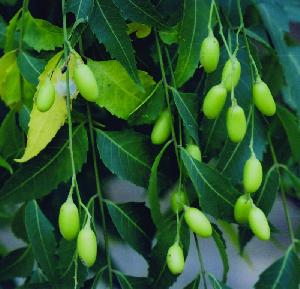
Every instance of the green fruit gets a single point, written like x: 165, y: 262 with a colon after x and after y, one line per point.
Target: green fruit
x: 175, y: 259
x: 45, y: 95
x: 263, y: 98
x: 68, y: 220
x: 231, y: 73
x: 86, y: 82
x: 194, y: 151
x: 242, y: 208
x: 252, y: 175
x: 198, y: 222
x: 259, y: 224
x: 87, y: 245
x: 162, y: 128
x: 236, y: 123
x: 214, y: 101
x: 210, y: 53
x: 178, y: 200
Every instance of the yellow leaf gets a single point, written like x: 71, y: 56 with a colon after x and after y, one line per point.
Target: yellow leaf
x: 10, y: 91
x: 43, y: 126
x: 141, y: 30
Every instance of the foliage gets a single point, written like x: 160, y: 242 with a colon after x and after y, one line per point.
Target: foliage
x: 144, y: 56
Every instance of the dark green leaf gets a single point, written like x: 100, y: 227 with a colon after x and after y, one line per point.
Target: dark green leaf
x: 141, y: 11
x: 214, y: 190
x: 4, y: 164
x: 110, y: 29
x: 31, y: 67
x: 292, y: 129
x: 129, y: 282
x: 18, y: 263
x: 18, y: 224
x: 283, y: 274
x: 10, y: 32
x: 134, y: 224
x: 193, y: 31
x: 221, y: 245
x: 41, y: 237
x: 40, y: 176
x: 188, y: 108
x: 133, y: 161
x: 153, y: 189
x: 158, y: 270
x: 80, y: 8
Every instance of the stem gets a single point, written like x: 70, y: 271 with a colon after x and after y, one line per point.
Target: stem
x: 252, y: 131
x: 167, y: 97
x: 203, y: 272
x: 210, y: 17
x: 99, y: 193
x: 283, y: 195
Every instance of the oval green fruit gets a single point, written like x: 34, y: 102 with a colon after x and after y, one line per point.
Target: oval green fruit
x: 236, y: 123
x: 175, y: 259
x: 252, y: 175
x: 86, y: 82
x: 198, y: 222
x: 259, y: 224
x: 178, y: 200
x: 263, y: 99
x: 194, y: 151
x: 45, y: 95
x: 68, y: 220
x: 242, y: 208
x: 162, y: 128
x: 231, y: 73
x: 87, y: 245
x: 210, y: 53
x: 214, y: 101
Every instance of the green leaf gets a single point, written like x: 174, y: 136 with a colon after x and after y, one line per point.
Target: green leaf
x: 134, y: 224
x: 141, y: 11
x: 188, y: 108
x: 111, y: 30
x: 41, y: 237
x: 11, y: 138
x: 18, y: 224
x: 40, y: 176
x: 234, y: 155
x: 284, y: 273
x: 158, y: 270
x: 221, y: 245
x: 277, y: 24
x: 41, y: 34
x: 2, y: 33
x: 10, y: 32
x: 292, y: 129
x: 18, y: 263
x: 129, y: 282
x: 194, y: 284
x: 149, y: 110
x: 80, y: 8
x: 31, y: 67
x: 193, y: 31
x: 216, y: 284
x: 133, y: 161
x: 214, y: 190
x: 119, y: 94
x: 153, y: 189
x: 4, y: 164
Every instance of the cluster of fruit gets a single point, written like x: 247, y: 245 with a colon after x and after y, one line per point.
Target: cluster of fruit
x: 69, y: 226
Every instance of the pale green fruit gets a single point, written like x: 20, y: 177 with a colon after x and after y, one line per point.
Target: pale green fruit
x: 45, y: 95
x: 263, y: 99
x: 162, y: 128
x: 231, y: 73
x: 178, y: 200
x: 214, y: 101
x: 242, y: 208
x: 86, y: 82
x: 175, y: 259
x: 194, y: 151
x: 210, y: 53
x: 68, y: 220
x: 198, y: 222
x: 236, y: 123
x: 252, y: 175
x: 259, y: 224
